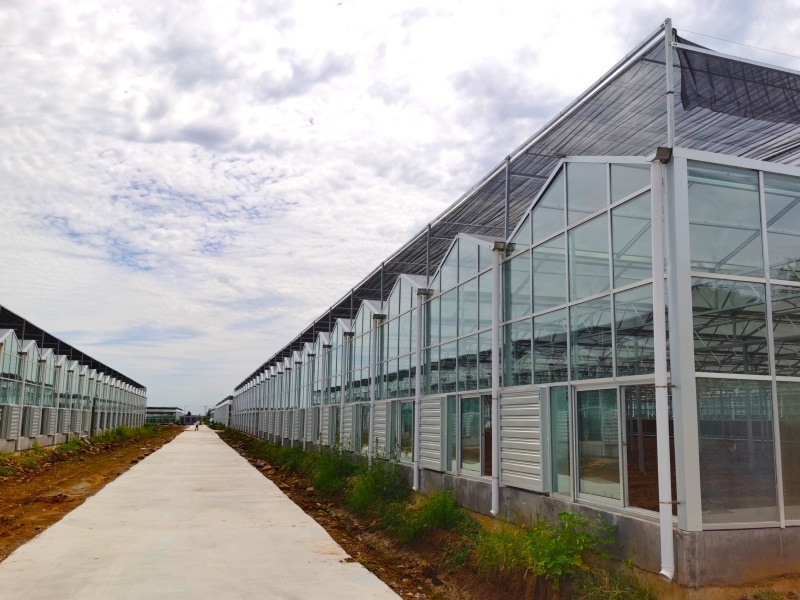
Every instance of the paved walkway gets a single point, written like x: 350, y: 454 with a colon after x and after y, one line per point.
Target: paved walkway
x: 193, y: 520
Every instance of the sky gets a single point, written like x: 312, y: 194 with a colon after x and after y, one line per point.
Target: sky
x: 184, y: 185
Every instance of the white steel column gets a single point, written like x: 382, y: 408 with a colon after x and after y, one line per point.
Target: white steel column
x: 681, y: 348
x: 418, y: 389
x: 662, y: 396
x: 497, y: 254
x: 373, y: 368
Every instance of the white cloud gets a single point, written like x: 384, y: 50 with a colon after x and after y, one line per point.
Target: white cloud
x: 184, y: 186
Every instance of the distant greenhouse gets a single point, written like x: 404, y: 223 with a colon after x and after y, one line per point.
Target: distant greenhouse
x: 519, y: 348
x: 51, y: 392
x: 163, y: 415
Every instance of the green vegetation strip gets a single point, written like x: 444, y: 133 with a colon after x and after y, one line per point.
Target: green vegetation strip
x: 566, y: 552
x: 37, y: 456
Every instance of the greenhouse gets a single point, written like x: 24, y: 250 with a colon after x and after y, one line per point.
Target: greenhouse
x: 608, y: 322
x: 51, y: 392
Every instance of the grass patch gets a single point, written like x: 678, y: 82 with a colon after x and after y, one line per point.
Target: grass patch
x: 603, y: 584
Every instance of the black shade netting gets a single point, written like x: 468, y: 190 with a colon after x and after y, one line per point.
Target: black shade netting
x: 737, y: 88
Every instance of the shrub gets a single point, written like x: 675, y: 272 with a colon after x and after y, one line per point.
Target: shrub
x: 329, y: 471
x: 376, y: 486
x: 543, y: 549
x: 437, y: 511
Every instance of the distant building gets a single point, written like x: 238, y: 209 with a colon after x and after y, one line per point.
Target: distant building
x: 162, y: 415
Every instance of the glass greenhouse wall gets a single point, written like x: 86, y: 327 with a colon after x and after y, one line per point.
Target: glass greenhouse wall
x: 524, y: 355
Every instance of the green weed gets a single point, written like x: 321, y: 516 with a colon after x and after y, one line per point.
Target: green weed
x: 550, y: 551
x: 375, y: 486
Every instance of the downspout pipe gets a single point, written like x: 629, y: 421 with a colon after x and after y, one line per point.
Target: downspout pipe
x: 418, y: 389
x: 662, y: 398
x: 497, y: 254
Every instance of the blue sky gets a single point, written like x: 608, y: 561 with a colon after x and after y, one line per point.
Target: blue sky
x: 186, y: 185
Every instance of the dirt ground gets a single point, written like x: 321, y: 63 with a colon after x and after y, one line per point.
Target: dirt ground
x: 32, y: 500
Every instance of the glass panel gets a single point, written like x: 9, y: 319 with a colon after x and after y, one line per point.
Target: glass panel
x: 404, y: 335
x: 468, y: 307
x: 559, y: 439
x: 432, y: 314
x: 588, y: 259
x: 471, y: 434
x: 406, y: 429
x: 642, y: 456
x: 523, y: 235
x: 393, y: 331
x: 590, y: 329
x: 786, y: 329
x: 517, y: 355
x: 549, y: 275
x: 725, y: 220
x: 364, y: 421
x: 587, y: 191
x: 451, y: 425
x: 467, y: 259
x: 730, y: 327
x: 548, y: 214
x: 485, y: 301
x: 447, y: 368
x: 394, y: 299
x: 630, y: 226
x: 737, y: 459
x: 782, y: 197
x: 468, y: 363
x: 598, y: 443
x: 449, y: 270
x: 449, y: 320
x: 404, y: 376
x: 789, y: 420
x: 517, y: 284
x: 550, y: 333
x: 406, y: 296
x: 484, y: 258
x: 484, y: 360
x: 486, y: 429
x: 634, y: 315
x: 627, y: 179
x: 432, y: 369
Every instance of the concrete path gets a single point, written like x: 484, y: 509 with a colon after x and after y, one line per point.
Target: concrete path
x: 193, y: 520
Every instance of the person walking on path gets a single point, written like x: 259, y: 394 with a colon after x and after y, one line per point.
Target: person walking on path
x: 197, y: 425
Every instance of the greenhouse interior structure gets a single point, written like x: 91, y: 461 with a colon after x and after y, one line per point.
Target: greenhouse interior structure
x: 51, y: 392
x: 608, y: 322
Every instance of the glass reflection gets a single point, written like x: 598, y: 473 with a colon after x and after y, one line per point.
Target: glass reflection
x: 559, y: 437
x: 471, y: 434
x: 588, y: 259
x: 633, y: 251
x: 517, y: 286
x: 590, y: 330
x: 786, y: 329
x: 634, y: 322
x: 724, y: 220
x: 730, y: 327
x: 587, y: 190
x: 737, y: 459
x: 517, y: 354
x: 549, y: 275
x: 598, y: 443
x: 627, y: 179
x: 782, y: 197
x: 548, y: 214
x: 550, y: 333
